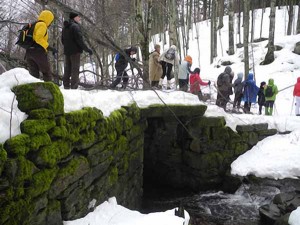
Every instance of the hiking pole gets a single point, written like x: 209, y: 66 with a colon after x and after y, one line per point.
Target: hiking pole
x: 92, y: 64
x: 292, y: 106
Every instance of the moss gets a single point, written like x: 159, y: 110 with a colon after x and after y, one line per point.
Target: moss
x: 70, y: 173
x: 86, y: 115
x: 17, y: 145
x: 115, y: 122
x: 41, y: 114
x: 6, y: 195
x: 128, y: 123
x: 133, y: 111
x: 15, y: 212
x: 60, y: 121
x: 41, y: 182
x: 39, y: 140
x: 39, y: 95
x: 135, y: 131
x: 73, y: 132
x: 3, y: 158
x: 33, y: 127
x: 113, y: 176
x: 19, y: 169
x: 59, y: 132
x: 87, y: 139
x: 111, y: 137
x: 50, y: 155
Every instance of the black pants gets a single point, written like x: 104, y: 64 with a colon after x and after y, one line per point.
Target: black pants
x: 222, y: 99
x: 247, y: 106
x: 37, y: 61
x: 237, y: 100
x: 183, y: 84
x: 121, y: 75
x: 71, y: 75
x: 167, y: 68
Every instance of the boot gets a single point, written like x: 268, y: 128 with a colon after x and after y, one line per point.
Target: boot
x: 160, y: 83
x: 267, y: 111
x: 168, y: 84
x: 271, y: 111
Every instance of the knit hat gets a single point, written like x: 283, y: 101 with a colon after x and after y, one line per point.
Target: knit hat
x: 173, y: 47
x: 188, y: 59
x: 73, y: 15
x: 133, y: 49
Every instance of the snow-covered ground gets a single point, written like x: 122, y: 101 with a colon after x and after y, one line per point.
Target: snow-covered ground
x: 280, y: 153
x: 110, y: 213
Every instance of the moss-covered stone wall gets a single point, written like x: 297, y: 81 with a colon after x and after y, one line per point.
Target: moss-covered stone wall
x: 62, y: 161
x: 197, y: 155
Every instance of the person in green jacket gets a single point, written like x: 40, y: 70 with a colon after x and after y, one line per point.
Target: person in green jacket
x: 270, y: 92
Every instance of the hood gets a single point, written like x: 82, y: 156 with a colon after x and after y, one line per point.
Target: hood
x: 250, y: 76
x: 298, y: 80
x: 46, y: 16
x: 66, y: 23
x: 240, y: 75
x: 271, y: 82
x: 173, y: 47
x: 188, y: 59
x: 228, y: 69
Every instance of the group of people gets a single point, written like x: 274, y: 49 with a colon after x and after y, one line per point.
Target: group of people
x: 161, y: 65
x: 72, y: 40
x: 245, y: 91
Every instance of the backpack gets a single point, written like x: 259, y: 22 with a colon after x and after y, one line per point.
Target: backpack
x: 170, y: 54
x: 117, y: 57
x: 269, y: 92
x: 221, y: 79
x: 25, y: 37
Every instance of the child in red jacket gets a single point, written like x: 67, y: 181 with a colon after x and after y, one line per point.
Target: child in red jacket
x: 296, y: 94
x: 195, y: 82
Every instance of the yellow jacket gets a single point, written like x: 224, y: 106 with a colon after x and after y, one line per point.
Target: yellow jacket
x: 40, y: 34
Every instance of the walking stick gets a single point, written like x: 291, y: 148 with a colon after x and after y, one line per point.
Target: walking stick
x: 292, y: 106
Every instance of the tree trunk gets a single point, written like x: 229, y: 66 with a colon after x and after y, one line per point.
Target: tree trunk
x: 269, y: 58
x: 246, y: 36
x: 231, y: 28
x: 252, y: 21
x: 204, y: 9
x: 212, y: 31
x: 221, y: 13
x: 291, y: 17
x: 262, y: 17
x: 239, y: 21
x: 298, y: 21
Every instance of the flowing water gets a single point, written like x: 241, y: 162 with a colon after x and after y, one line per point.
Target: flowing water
x: 215, y: 208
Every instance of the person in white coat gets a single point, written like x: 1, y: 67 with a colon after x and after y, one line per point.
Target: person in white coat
x: 168, y: 59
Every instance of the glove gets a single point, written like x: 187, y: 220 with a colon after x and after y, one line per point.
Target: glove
x: 209, y: 82
x: 89, y: 51
x: 53, y: 50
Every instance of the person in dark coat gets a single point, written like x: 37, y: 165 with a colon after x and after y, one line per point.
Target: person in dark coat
x: 36, y: 56
x: 72, y: 40
x: 261, y: 96
x: 250, y: 92
x: 120, y: 65
x: 224, y: 86
x: 238, y: 87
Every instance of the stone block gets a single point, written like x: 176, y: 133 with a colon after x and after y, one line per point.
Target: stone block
x: 44, y: 95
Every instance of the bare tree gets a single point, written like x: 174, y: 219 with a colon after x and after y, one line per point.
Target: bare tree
x: 269, y: 58
x: 298, y: 21
x: 291, y: 16
x: 231, y: 28
x: 246, y: 36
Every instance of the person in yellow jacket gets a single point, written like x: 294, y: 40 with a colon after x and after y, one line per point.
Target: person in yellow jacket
x: 36, y: 55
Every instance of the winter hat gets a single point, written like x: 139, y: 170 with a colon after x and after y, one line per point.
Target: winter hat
x: 188, y: 59
x: 240, y: 75
x: 197, y: 70
x: 133, y: 49
x: 262, y: 84
x: 73, y: 15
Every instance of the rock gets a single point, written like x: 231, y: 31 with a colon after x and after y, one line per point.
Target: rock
x: 297, y: 48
